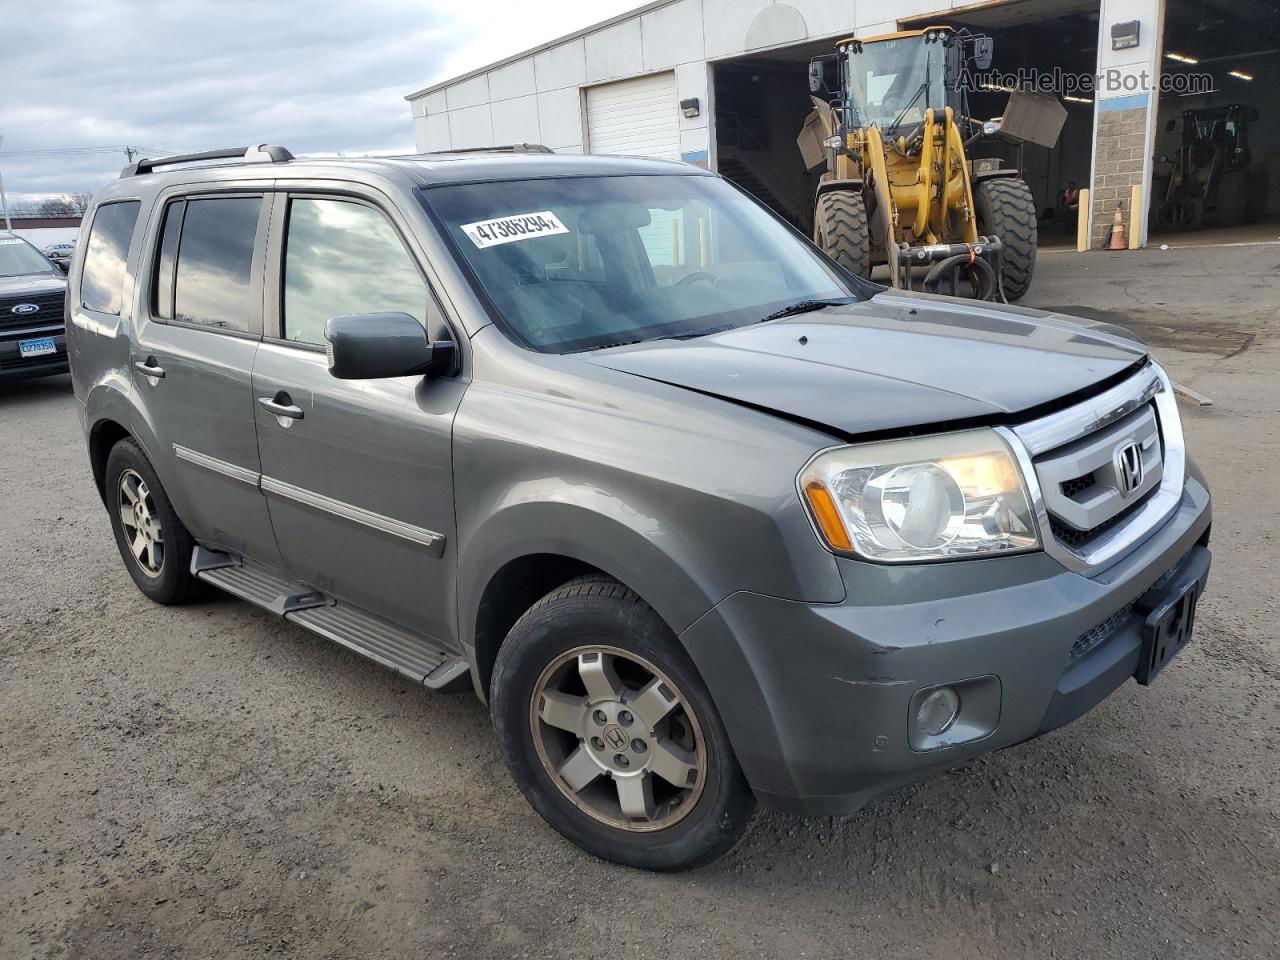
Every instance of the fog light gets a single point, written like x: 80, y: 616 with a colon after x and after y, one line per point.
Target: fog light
x: 937, y: 711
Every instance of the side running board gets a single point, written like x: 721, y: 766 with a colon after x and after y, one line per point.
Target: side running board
x: 418, y: 657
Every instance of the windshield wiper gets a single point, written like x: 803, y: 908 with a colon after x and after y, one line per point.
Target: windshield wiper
x: 807, y: 306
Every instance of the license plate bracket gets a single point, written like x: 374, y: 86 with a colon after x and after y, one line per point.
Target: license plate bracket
x: 1168, y: 628
x: 38, y: 347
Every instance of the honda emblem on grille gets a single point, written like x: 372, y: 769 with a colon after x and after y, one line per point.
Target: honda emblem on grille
x: 1129, y: 469
x: 25, y: 308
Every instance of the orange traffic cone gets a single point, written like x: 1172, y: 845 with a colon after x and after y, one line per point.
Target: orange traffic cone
x: 1118, y: 239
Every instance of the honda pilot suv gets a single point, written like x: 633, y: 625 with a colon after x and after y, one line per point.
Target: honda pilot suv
x: 706, y: 521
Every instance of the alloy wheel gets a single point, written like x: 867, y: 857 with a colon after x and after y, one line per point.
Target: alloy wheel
x: 140, y: 523
x: 618, y: 739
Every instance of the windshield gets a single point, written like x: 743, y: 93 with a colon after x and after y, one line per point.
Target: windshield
x: 887, y: 81
x: 576, y: 263
x: 18, y: 258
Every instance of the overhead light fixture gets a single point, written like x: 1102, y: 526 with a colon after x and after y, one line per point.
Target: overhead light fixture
x: 1239, y: 74
x: 1181, y: 58
x: 1076, y: 99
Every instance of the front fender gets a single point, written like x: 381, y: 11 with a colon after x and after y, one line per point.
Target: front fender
x: 596, y: 529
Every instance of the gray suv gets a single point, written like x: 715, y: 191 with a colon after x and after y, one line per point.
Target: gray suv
x: 705, y: 520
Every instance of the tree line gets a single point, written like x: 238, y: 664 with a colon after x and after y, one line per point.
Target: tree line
x: 61, y: 205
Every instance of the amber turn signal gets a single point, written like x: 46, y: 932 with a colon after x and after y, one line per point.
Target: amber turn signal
x: 827, y: 516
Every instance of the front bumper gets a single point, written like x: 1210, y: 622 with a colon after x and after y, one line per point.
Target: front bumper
x: 14, y: 366
x: 816, y: 697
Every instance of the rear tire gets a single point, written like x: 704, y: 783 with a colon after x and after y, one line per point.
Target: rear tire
x: 1007, y: 209
x: 155, y: 546
x: 841, y: 230
x: 596, y: 704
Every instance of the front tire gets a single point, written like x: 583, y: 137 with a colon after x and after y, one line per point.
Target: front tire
x: 841, y: 230
x: 155, y: 546
x: 1007, y: 209
x: 611, y: 734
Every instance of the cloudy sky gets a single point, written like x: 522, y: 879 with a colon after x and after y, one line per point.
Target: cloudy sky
x: 185, y: 76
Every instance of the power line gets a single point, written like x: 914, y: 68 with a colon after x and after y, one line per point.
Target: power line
x: 124, y: 148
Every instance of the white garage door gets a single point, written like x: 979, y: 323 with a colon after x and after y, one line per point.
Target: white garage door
x: 635, y: 117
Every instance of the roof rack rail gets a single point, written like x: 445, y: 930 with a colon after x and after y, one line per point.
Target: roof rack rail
x: 504, y: 148
x: 262, y: 153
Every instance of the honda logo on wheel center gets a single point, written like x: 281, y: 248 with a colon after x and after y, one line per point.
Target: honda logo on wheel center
x: 615, y: 736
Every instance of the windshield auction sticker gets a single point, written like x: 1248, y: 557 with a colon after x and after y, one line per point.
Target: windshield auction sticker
x: 522, y: 226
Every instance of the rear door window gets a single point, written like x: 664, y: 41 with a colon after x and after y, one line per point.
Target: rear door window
x: 102, y: 279
x: 213, y: 280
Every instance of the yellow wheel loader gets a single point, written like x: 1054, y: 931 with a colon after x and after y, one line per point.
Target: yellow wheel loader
x: 891, y: 116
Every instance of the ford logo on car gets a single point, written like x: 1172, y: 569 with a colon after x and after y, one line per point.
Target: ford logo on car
x: 25, y: 308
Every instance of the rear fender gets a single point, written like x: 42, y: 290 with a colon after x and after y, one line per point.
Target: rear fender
x: 107, y: 401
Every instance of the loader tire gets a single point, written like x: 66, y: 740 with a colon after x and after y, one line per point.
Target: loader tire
x: 840, y: 229
x: 1006, y: 209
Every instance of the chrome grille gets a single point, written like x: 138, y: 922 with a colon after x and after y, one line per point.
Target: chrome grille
x: 1105, y: 472
x: 1083, y: 481
x: 1077, y: 539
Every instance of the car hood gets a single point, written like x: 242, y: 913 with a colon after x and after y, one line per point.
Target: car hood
x: 894, y: 362
x: 31, y: 284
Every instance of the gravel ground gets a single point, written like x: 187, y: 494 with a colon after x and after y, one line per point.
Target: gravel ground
x: 211, y: 782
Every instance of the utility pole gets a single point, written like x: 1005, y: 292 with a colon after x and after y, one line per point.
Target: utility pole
x: 129, y: 153
x: 8, y: 224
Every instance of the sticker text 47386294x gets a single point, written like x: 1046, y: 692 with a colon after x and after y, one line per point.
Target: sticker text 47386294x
x: 520, y: 226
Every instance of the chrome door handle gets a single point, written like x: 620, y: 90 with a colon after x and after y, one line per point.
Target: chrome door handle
x: 148, y: 368
x: 281, y: 406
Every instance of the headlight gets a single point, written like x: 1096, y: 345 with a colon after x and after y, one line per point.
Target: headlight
x: 927, y: 498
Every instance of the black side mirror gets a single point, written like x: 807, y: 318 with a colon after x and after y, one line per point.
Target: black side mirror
x: 374, y: 346
x: 824, y: 75
x: 815, y: 76
x: 984, y: 49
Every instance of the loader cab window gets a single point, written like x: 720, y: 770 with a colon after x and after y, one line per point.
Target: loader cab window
x: 893, y: 82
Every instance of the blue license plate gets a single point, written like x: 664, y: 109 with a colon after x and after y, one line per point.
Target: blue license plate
x: 37, y: 348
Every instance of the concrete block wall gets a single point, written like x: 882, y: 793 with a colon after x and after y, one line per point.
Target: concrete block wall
x: 1120, y: 150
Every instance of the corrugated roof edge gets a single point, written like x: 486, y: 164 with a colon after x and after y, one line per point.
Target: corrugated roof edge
x: 627, y: 15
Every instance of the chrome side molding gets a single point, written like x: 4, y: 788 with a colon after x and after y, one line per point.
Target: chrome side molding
x: 231, y: 470
x: 432, y: 541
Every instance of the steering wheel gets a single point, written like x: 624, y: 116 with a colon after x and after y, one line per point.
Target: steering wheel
x: 698, y: 276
